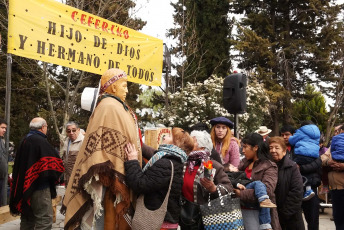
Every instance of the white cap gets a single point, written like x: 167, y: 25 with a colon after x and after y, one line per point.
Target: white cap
x: 89, y: 98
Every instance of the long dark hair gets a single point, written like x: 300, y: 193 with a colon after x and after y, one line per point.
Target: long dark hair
x: 254, y: 139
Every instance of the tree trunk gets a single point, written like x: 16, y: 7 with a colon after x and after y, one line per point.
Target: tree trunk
x: 337, y: 105
x: 52, y: 112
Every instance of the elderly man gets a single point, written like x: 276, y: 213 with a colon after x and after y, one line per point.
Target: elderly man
x: 36, y: 170
x: 3, y: 160
x: 97, y: 195
x: 264, y: 132
x: 71, y: 148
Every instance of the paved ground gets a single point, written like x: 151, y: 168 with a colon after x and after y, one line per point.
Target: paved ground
x: 324, y: 219
x: 325, y: 222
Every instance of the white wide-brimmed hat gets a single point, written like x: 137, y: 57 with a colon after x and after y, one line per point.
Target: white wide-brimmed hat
x: 263, y: 130
x: 89, y: 98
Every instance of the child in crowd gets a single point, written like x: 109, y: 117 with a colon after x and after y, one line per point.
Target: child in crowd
x: 306, y: 149
x: 240, y: 181
x: 337, y: 146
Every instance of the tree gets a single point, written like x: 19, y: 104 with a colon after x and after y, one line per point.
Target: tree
x: 336, y: 114
x: 280, y: 42
x: 200, y: 102
x: 311, y: 107
x: 202, y: 31
x: 28, y: 94
x: 153, y: 103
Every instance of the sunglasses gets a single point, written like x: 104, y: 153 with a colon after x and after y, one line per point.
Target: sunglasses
x: 71, y: 131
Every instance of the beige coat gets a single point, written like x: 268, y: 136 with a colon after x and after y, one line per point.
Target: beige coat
x: 100, y: 163
x: 69, y: 155
x: 335, y: 178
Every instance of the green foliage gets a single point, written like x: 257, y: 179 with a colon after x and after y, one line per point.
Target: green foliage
x: 200, y: 102
x: 202, y: 32
x: 147, y: 99
x: 285, y: 43
x: 258, y: 102
x: 152, y: 102
x: 311, y: 107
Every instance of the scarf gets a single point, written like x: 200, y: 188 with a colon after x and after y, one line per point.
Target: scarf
x: 195, y: 158
x: 100, y: 164
x: 36, y: 162
x: 166, y: 150
x: 33, y: 132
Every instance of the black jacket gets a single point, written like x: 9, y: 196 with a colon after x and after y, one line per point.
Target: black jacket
x: 312, y: 170
x: 289, y: 193
x: 238, y: 177
x: 37, y: 166
x: 215, y: 156
x: 154, y: 182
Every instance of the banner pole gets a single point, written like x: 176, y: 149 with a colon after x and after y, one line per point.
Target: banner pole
x: 7, y: 118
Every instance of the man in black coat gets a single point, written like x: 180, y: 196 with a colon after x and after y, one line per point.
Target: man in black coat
x: 37, y: 169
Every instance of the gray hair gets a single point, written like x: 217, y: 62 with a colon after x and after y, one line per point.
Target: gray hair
x: 37, y: 124
x: 72, y: 123
x: 203, y: 139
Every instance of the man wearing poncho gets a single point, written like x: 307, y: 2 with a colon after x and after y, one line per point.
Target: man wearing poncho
x: 36, y: 171
x: 97, y: 195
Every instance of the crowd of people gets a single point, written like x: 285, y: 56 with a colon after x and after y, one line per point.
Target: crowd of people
x: 275, y: 177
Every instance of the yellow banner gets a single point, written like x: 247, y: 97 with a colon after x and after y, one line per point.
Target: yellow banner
x: 52, y: 32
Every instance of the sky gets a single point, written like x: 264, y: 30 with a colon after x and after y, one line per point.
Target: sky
x: 159, y: 17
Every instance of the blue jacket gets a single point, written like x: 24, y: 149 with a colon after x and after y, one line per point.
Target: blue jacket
x: 306, y: 141
x: 337, y: 147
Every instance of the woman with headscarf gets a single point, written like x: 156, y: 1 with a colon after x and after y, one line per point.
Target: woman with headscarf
x: 224, y: 143
x: 258, y: 166
x: 197, y: 188
x: 289, y: 190
x: 154, y: 179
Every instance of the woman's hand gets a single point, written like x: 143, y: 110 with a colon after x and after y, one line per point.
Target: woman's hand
x: 131, y: 151
x: 241, y: 187
x: 237, y: 192
x: 208, y: 185
x: 336, y: 166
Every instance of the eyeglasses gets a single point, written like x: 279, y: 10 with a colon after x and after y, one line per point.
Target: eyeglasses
x: 71, y: 131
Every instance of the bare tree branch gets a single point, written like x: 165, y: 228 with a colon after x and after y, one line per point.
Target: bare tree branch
x: 52, y: 112
x: 337, y: 105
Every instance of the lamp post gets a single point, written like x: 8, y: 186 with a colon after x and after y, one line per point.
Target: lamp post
x: 166, y: 69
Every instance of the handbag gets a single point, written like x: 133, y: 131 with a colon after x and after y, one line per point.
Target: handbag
x: 222, y: 213
x: 145, y: 219
x: 190, y: 215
